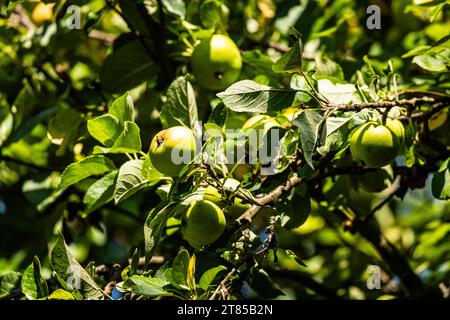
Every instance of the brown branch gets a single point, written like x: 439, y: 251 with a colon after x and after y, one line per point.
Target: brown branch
x: 382, y: 204
x: 413, y: 102
x: 426, y: 115
x: 222, y: 285
x: 271, y: 197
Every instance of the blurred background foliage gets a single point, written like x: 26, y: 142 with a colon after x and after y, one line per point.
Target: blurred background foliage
x: 53, y: 79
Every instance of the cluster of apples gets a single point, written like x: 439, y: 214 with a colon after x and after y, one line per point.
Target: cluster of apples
x: 216, y: 63
x: 204, y: 220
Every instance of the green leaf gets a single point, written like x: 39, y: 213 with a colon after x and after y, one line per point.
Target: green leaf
x: 249, y: 96
x: 180, y: 108
x: 180, y: 268
x: 89, y: 166
x: 33, y: 284
x: 126, y: 68
x: 291, y: 61
x: 30, y: 124
x: 105, y: 129
x: 154, y: 225
x: 60, y: 294
x: 210, y: 275
x: 40, y: 189
x: 260, y: 282
x: 260, y: 64
x: 123, y: 108
x: 100, y: 192
x: 63, y: 129
x: 176, y: 7
x: 440, y: 185
x: 9, y: 282
x: 133, y: 176
x: 6, y: 127
x: 23, y: 105
x: 152, y: 287
x: 337, y: 93
x: 219, y: 115
x: 191, y: 274
x: 135, y: 261
x: 327, y: 67
x: 292, y: 254
x: 433, y: 63
x: 214, y: 14
x: 70, y: 271
x: 310, y: 123
x: 129, y: 141
x: 294, y: 208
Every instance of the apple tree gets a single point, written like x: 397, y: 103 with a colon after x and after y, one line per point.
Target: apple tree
x: 215, y: 149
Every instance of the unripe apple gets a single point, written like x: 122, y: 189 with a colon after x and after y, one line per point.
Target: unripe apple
x: 171, y: 149
x: 203, y: 223
x: 216, y: 62
x: 374, y: 144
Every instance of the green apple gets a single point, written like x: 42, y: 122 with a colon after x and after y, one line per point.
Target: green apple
x: 171, y: 149
x: 398, y: 129
x: 374, y: 144
x: 203, y: 223
x: 216, y: 62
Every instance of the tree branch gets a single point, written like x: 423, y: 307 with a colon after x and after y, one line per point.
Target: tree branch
x: 271, y: 197
x: 413, y: 102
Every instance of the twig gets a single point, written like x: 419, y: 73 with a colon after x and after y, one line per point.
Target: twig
x: 271, y: 197
x: 384, y: 104
x: 381, y: 204
x: 222, y: 285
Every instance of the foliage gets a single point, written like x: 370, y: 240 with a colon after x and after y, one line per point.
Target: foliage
x: 80, y: 106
